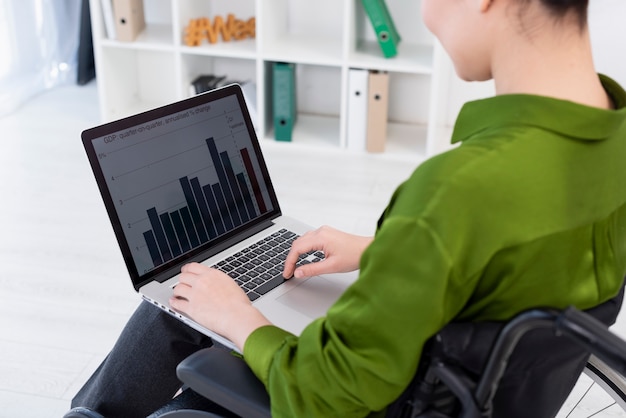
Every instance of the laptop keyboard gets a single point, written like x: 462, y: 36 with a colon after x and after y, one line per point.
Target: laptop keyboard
x: 258, y: 268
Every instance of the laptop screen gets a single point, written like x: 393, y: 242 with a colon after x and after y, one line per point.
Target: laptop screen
x: 180, y: 179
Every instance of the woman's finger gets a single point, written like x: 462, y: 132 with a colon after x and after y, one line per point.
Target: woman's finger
x: 182, y: 291
x: 187, y: 278
x: 302, y: 245
x: 195, y: 268
x: 315, y: 269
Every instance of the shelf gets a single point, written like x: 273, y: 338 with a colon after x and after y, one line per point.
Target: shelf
x: 156, y: 36
x: 302, y: 32
x: 245, y: 48
x: 235, y: 69
x: 157, y: 68
x: 411, y: 58
x: 313, y: 130
x: 303, y: 49
x: 135, y: 84
x: 404, y: 141
x: 194, y: 9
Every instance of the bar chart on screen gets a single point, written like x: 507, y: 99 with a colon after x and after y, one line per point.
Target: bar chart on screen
x: 210, y: 210
x: 183, y: 180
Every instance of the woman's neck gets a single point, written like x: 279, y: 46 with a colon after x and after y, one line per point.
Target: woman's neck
x: 558, y: 66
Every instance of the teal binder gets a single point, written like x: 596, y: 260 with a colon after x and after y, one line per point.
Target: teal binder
x: 386, y: 32
x: 284, y: 100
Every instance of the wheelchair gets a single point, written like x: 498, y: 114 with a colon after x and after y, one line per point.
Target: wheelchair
x: 526, y: 367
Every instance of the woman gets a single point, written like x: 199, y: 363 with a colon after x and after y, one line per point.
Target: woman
x: 529, y: 210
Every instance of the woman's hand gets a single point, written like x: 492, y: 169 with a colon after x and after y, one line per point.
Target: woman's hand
x: 216, y: 302
x: 342, y: 252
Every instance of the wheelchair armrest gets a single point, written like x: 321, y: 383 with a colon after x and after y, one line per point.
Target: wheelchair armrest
x: 227, y: 380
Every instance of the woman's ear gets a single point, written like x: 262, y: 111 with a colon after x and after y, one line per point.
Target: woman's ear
x: 484, y: 5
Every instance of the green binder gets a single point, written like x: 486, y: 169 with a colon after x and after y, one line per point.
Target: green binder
x: 384, y: 26
x: 284, y: 100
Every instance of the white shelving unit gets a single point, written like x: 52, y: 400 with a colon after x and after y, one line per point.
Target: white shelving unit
x: 324, y: 38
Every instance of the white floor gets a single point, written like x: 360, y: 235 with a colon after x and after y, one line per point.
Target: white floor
x: 65, y: 292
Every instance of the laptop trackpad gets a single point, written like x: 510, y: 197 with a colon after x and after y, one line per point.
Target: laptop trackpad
x: 313, y: 297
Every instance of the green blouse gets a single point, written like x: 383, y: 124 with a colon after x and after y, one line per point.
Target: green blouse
x: 529, y: 211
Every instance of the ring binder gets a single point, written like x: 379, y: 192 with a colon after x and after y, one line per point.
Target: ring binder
x: 129, y: 19
x: 377, y: 109
x: 384, y: 26
x: 357, y: 109
x: 284, y: 100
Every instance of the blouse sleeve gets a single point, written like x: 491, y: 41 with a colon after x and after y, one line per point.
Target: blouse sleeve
x: 360, y: 357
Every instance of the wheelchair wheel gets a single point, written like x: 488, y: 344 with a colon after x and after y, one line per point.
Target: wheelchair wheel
x: 599, y: 392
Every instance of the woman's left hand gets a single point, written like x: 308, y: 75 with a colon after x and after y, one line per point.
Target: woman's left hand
x: 214, y: 300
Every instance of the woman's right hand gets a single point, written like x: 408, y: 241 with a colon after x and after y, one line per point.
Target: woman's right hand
x: 342, y: 252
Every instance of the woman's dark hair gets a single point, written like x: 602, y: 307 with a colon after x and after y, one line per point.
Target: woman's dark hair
x: 561, y: 9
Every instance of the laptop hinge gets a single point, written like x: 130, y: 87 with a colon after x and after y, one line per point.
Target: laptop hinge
x: 216, y: 249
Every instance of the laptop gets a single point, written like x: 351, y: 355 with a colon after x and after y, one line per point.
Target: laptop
x: 187, y: 182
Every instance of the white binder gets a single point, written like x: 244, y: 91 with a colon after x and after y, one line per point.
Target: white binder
x: 357, y: 109
x: 109, y: 19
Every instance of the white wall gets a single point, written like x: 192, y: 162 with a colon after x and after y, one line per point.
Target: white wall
x: 608, y: 36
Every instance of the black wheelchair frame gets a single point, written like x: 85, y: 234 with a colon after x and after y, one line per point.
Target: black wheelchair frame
x: 217, y: 374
